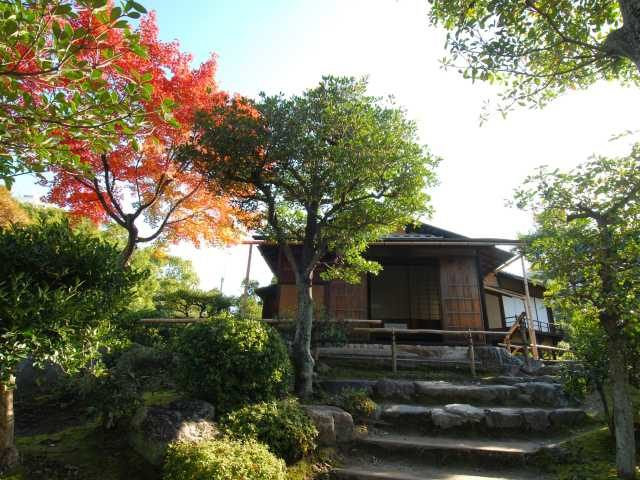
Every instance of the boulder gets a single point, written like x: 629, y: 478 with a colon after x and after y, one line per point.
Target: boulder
x: 334, y: 424
x: 448, y: 392
x: 32, y: 381
x: 504, y: 418
x: 400, y: 389
x: 567, y: 417
x: 536, y: 419
x: 470, y: 413
x: 335, y: 387
x: 544, y: 393
x: 154, y: 428
x: 445, y: 420
x: 408, y: 412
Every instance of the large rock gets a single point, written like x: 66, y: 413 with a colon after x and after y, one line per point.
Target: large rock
x: 334, y: 424
x: 536, y: 419
x: 405, y: 412
x: 32, y: 381
x: 544, y: 393
x: 470, y: 413
x: 400, y: 389
x: 154, y: 428
x: 445, y: 420
x: 456, y: 415
x: 335, y: 387
x: 446, y: 392
x: 506, y: 418
x: 567, y: 417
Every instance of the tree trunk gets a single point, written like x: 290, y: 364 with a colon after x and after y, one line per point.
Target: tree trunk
x: 625, y: 41
x: 605, y: 407
x: 622, y: 409
x: 302, y: 357
x: 132, y: 237
x: 8, y: 451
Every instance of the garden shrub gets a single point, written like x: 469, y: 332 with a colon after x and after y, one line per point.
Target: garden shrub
x: 357, y: 402
x: 283, y: 426
x: 232, y: 362
x: 115, y: 396
x: 116, y: 393
x: 224, y: 459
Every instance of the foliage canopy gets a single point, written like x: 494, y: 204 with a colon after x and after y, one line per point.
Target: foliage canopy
x: 59, y: 288
x: 536, y: 49
x: 59, y: 63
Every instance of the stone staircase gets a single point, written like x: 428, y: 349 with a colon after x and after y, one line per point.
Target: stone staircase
x: 446, y: 430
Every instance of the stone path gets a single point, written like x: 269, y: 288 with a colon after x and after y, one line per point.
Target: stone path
x: 485, y: 430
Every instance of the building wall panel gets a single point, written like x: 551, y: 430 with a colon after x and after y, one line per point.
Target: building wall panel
x: 461, y: 304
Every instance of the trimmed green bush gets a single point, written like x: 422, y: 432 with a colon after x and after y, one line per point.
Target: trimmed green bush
x: 222, y: 460
x: 283, y: 426
x: 231, y: 363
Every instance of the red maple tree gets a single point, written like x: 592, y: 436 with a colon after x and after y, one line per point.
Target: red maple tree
x: 145, y: 177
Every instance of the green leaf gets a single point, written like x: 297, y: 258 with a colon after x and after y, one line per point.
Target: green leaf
x: 10, y: 27
x: 63, y: 9
x: 116, y: 12
x: 138, y: 7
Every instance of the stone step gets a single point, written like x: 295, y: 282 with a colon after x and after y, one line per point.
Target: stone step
x: 406, y: 362
x: 549, y: 394
x: 458, y: 416
x: 475, y: 449
x: 509, y: 380
x: 404, y: 472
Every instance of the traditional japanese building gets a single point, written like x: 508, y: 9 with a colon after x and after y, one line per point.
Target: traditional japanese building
x: 431, y: 279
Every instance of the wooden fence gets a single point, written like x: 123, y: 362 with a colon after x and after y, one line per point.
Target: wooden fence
x: 356, y: 324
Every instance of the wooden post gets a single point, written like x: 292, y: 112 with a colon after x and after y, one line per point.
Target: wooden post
x: 472, y: 356
x: 394, y: 359
x: 525, y: 340
x: 527, y: 307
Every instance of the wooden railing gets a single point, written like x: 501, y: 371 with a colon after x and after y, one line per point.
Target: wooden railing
x: 393, y: 332
x: 517, y: 327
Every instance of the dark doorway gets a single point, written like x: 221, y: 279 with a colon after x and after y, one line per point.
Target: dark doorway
x: 407, y: 294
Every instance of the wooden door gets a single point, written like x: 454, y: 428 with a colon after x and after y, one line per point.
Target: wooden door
x: 461, y: 304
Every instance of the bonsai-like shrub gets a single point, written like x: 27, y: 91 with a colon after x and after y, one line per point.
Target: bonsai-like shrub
x: 116, y: 393
x: 283, y: 426
x: 357, y: 402
x: 231, y: 363
x: 222, y: 460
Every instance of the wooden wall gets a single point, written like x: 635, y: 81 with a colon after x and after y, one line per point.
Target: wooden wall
x: 288, y: 300
x: 345, y: 300
x: 461, y: 304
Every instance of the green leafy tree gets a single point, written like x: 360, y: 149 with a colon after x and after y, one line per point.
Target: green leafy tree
x: 329, y: 170
x: 11, y: 211
x: 537, y: 49
x: 249, y: 304
x: 193, y: 303
x: 587, y: 244
x: 59, y: 288
x: 588, y: 342
x: 59, y: 61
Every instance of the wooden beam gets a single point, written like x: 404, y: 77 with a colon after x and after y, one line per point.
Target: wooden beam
x: 421, y: 331
x: 527, y: 305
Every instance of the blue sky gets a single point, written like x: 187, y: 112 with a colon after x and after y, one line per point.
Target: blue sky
x: 287, y: 45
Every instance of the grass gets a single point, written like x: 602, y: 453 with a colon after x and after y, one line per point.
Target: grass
x: 588, y: 456
x: 80, y: 452
x: 160, y: 398
x: 315, y: 467
x: 85, y: 451
x: 88, y: 453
